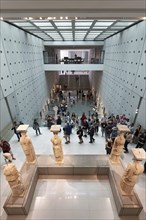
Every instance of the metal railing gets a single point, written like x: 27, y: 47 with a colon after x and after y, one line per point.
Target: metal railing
x: 77, y: 60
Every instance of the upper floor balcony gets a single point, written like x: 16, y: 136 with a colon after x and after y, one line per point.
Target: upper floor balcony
x: 52, y: 63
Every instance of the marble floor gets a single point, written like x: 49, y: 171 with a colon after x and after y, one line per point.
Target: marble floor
x: 72, y: 198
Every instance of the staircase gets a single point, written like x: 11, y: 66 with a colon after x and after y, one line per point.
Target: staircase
x: 74, y: 82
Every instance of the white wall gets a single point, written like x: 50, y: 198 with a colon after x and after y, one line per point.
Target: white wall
x: 124, y: 77
x: 23, y: 81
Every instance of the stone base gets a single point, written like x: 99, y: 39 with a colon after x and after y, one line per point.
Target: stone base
x: 127, y: 205
x: 73, y: 165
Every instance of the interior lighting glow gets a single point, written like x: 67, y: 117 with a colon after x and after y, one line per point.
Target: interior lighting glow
x: 54, y: 18
x: 61, y: 18
x: 30, y: 18
x: 1, y: 18
x: 76, y: 18
x: 66, y: 17
x: 49, y: 18
x: 40, y: 18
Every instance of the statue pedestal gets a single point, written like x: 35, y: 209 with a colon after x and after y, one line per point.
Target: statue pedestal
x: 127, y: 205
x: 19, y: 205
x: 73, y: 165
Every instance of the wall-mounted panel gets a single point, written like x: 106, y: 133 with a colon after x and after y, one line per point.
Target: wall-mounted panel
x: 23, y: 79
x: 6, y: 82
x: 123, y: 81
x: 141, y: 119
x: 4, y: 115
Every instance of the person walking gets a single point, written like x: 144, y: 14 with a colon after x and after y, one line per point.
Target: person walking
x: 136, y: 134
x: 85, y: 127
x: 80, y: 135
x: 14, y: 128
x: 91, y: 134
x: 128, y: 140
x: 67, y: 132
x: 103, y: 127
x: 141, y: 140
x: 108, y: 146
x: 36, y: 127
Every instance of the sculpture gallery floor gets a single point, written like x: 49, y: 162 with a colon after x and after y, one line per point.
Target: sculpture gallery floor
x: 78, y: 197
x: 83, y: 197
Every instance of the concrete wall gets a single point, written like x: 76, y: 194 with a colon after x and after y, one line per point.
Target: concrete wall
x: 23, y: 83
x: 124, y: 76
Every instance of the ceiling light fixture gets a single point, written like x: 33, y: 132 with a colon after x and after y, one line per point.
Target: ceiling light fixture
x: 61, y: 18
x: 40, y: 18
x: 30, y: 18
x: 1, y: 18
x: 25, y: 18
x: 76, y: 18
x: 54, y: 18
x: 49, y: 18
x: 66, y: 18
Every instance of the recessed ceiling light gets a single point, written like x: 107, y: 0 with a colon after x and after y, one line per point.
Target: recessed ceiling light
x: 144, y: 18
x: 61, y: 18
x: 30, y: 18
x: 40, y: 18
x: 1, y: 18
x: 49, y: 18
x: 54, y: 17
x: 25, y: 18
x: 66, y: 17
x: 76, y: 18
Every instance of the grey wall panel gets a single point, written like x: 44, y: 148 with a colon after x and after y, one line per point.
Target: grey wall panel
x: 13, y: 105
x: 4, y: 115
x: 23, y: 77
x: 6, y: 82
x: 141, y: 119
x: 123, y: 81
x: 144, y: 94
x: 1, y: 93
x: 140, y: 82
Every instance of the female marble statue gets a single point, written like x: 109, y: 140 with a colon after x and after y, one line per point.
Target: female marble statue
x: 13, y: 178
x: 57, y: 148
x: 28, y: 148
x: 117, y: 148
x: 130, y: 176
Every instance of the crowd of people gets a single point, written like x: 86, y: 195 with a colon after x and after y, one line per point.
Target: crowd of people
x: 87, y: 126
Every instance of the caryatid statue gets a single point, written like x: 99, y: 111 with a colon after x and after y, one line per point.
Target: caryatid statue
x: 118, y: 145
x: 27, y: 145
x: 14, y: 179
x: 133, y: 170
x: 57, y: 144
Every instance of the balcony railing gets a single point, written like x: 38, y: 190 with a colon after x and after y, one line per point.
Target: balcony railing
x: 76, y: 60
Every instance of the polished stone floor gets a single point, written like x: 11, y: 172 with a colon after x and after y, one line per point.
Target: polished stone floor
x: 72, y: 198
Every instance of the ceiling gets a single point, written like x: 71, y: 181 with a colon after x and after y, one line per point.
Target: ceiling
x: 73, y: 30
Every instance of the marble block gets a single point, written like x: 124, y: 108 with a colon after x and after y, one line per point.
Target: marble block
x: 55, y: 128
x: 22, y: 128
x: 139, y: 153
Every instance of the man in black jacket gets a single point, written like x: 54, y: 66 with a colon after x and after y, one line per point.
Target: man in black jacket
x: 80, y: 135
x: 91, y: 134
